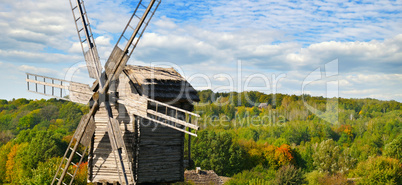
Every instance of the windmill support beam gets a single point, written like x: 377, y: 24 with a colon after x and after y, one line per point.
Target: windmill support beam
x: 189, y: 149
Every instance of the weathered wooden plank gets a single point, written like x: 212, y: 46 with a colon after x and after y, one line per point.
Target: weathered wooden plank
x: 173, y: 127
x: 171, y: 162
x: 160, y: 115
x: 46, y: 83
x: 89, y: 132
x: 79, y: 87
x: 93, y: 65
x: 113, y: 65
x: 173, y: 107
x: 136, y: 106
x: 162, y: 142
x: 124, y: 87
x: 107, y: 164
x: 162, y: 131
x: 104, y: 159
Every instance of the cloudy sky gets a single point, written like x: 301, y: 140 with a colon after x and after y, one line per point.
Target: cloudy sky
x: 348, y: 48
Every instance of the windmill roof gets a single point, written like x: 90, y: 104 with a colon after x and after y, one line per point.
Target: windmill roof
x: 161, y: 84
x: 145, y: 73
x: 206, y: 177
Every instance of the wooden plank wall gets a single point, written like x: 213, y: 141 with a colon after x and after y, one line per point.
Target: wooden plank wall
x: 156, y: 151
x: 160, y: 153
x: 103, y: 162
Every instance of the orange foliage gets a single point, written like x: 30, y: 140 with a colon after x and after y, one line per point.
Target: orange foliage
x: 284, y: 155
x: 81, y: 173
x: 278, y: 156
x: 11, y: 163
x: 270, y: 155
x: 14, y: 171
x: 347, y: 129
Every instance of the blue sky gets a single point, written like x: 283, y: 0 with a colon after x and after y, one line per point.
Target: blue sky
x: 207, y: 39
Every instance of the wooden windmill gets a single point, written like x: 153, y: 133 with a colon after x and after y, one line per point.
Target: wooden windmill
x: 134, y: 131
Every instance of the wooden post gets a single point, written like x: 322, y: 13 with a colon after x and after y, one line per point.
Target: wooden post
x: 27, y: 81
x: 189, y: 145
x: 44, y: 86
x: 91, y: 157
x: 52, y: 87
x: 61, y: 90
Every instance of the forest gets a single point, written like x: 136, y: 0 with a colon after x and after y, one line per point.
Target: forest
x: 252, y: 137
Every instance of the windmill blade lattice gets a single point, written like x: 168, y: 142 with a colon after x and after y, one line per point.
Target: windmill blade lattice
x: 58, y: 88
x: 129, y: 38
x: 114, y: 67
x: 136, y: 26
x: 137, y: 105
x: 86, y: 38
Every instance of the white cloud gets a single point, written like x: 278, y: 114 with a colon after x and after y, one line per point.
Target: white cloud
x: 20, y: 56
x: 306, y: 21
x: 360, y: 59
x: 191, y: 45
x: 39, y: 71
x: 209, y: 37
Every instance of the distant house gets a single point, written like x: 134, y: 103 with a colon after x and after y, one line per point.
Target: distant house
x: 263, y: 105
x: 202, y: 177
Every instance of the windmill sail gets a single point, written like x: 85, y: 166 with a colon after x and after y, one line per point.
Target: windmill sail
x: 58, y: 88
x: 106, y: 117
x: 86, y: 38
x: 114, y: 67
x: 162, y: 113
x: 130, y: 37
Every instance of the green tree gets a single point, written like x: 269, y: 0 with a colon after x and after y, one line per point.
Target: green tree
x: 218, y: 152
x: 326, y: 156
x: 394, y: 148
x: 5, y: 122
x: 5, y: 136
x: 49, y: 112
x: 72, y: 114
x: 379, y: 170
x: 4, y: 151
x: 30, y: 120
x: 288, y: 175
x: 346, y: 161
x: 258, y: 173
x: 44, y: 173
x: 43, y: 146
x: 14, y: 168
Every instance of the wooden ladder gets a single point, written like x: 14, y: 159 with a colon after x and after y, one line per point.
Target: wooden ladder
x: 82, y: 135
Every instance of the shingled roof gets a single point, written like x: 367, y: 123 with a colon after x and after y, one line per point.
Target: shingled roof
x: 162, y: 84
x: 204, y: 177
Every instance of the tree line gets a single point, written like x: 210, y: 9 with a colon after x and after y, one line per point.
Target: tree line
x: 280, y: 142
x: 284, y: 141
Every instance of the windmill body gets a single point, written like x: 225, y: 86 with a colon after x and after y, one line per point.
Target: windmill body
x: 134, y: 131
x: 155, y: 151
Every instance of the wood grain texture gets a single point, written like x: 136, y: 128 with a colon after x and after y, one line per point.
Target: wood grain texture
x: 154, y: 151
